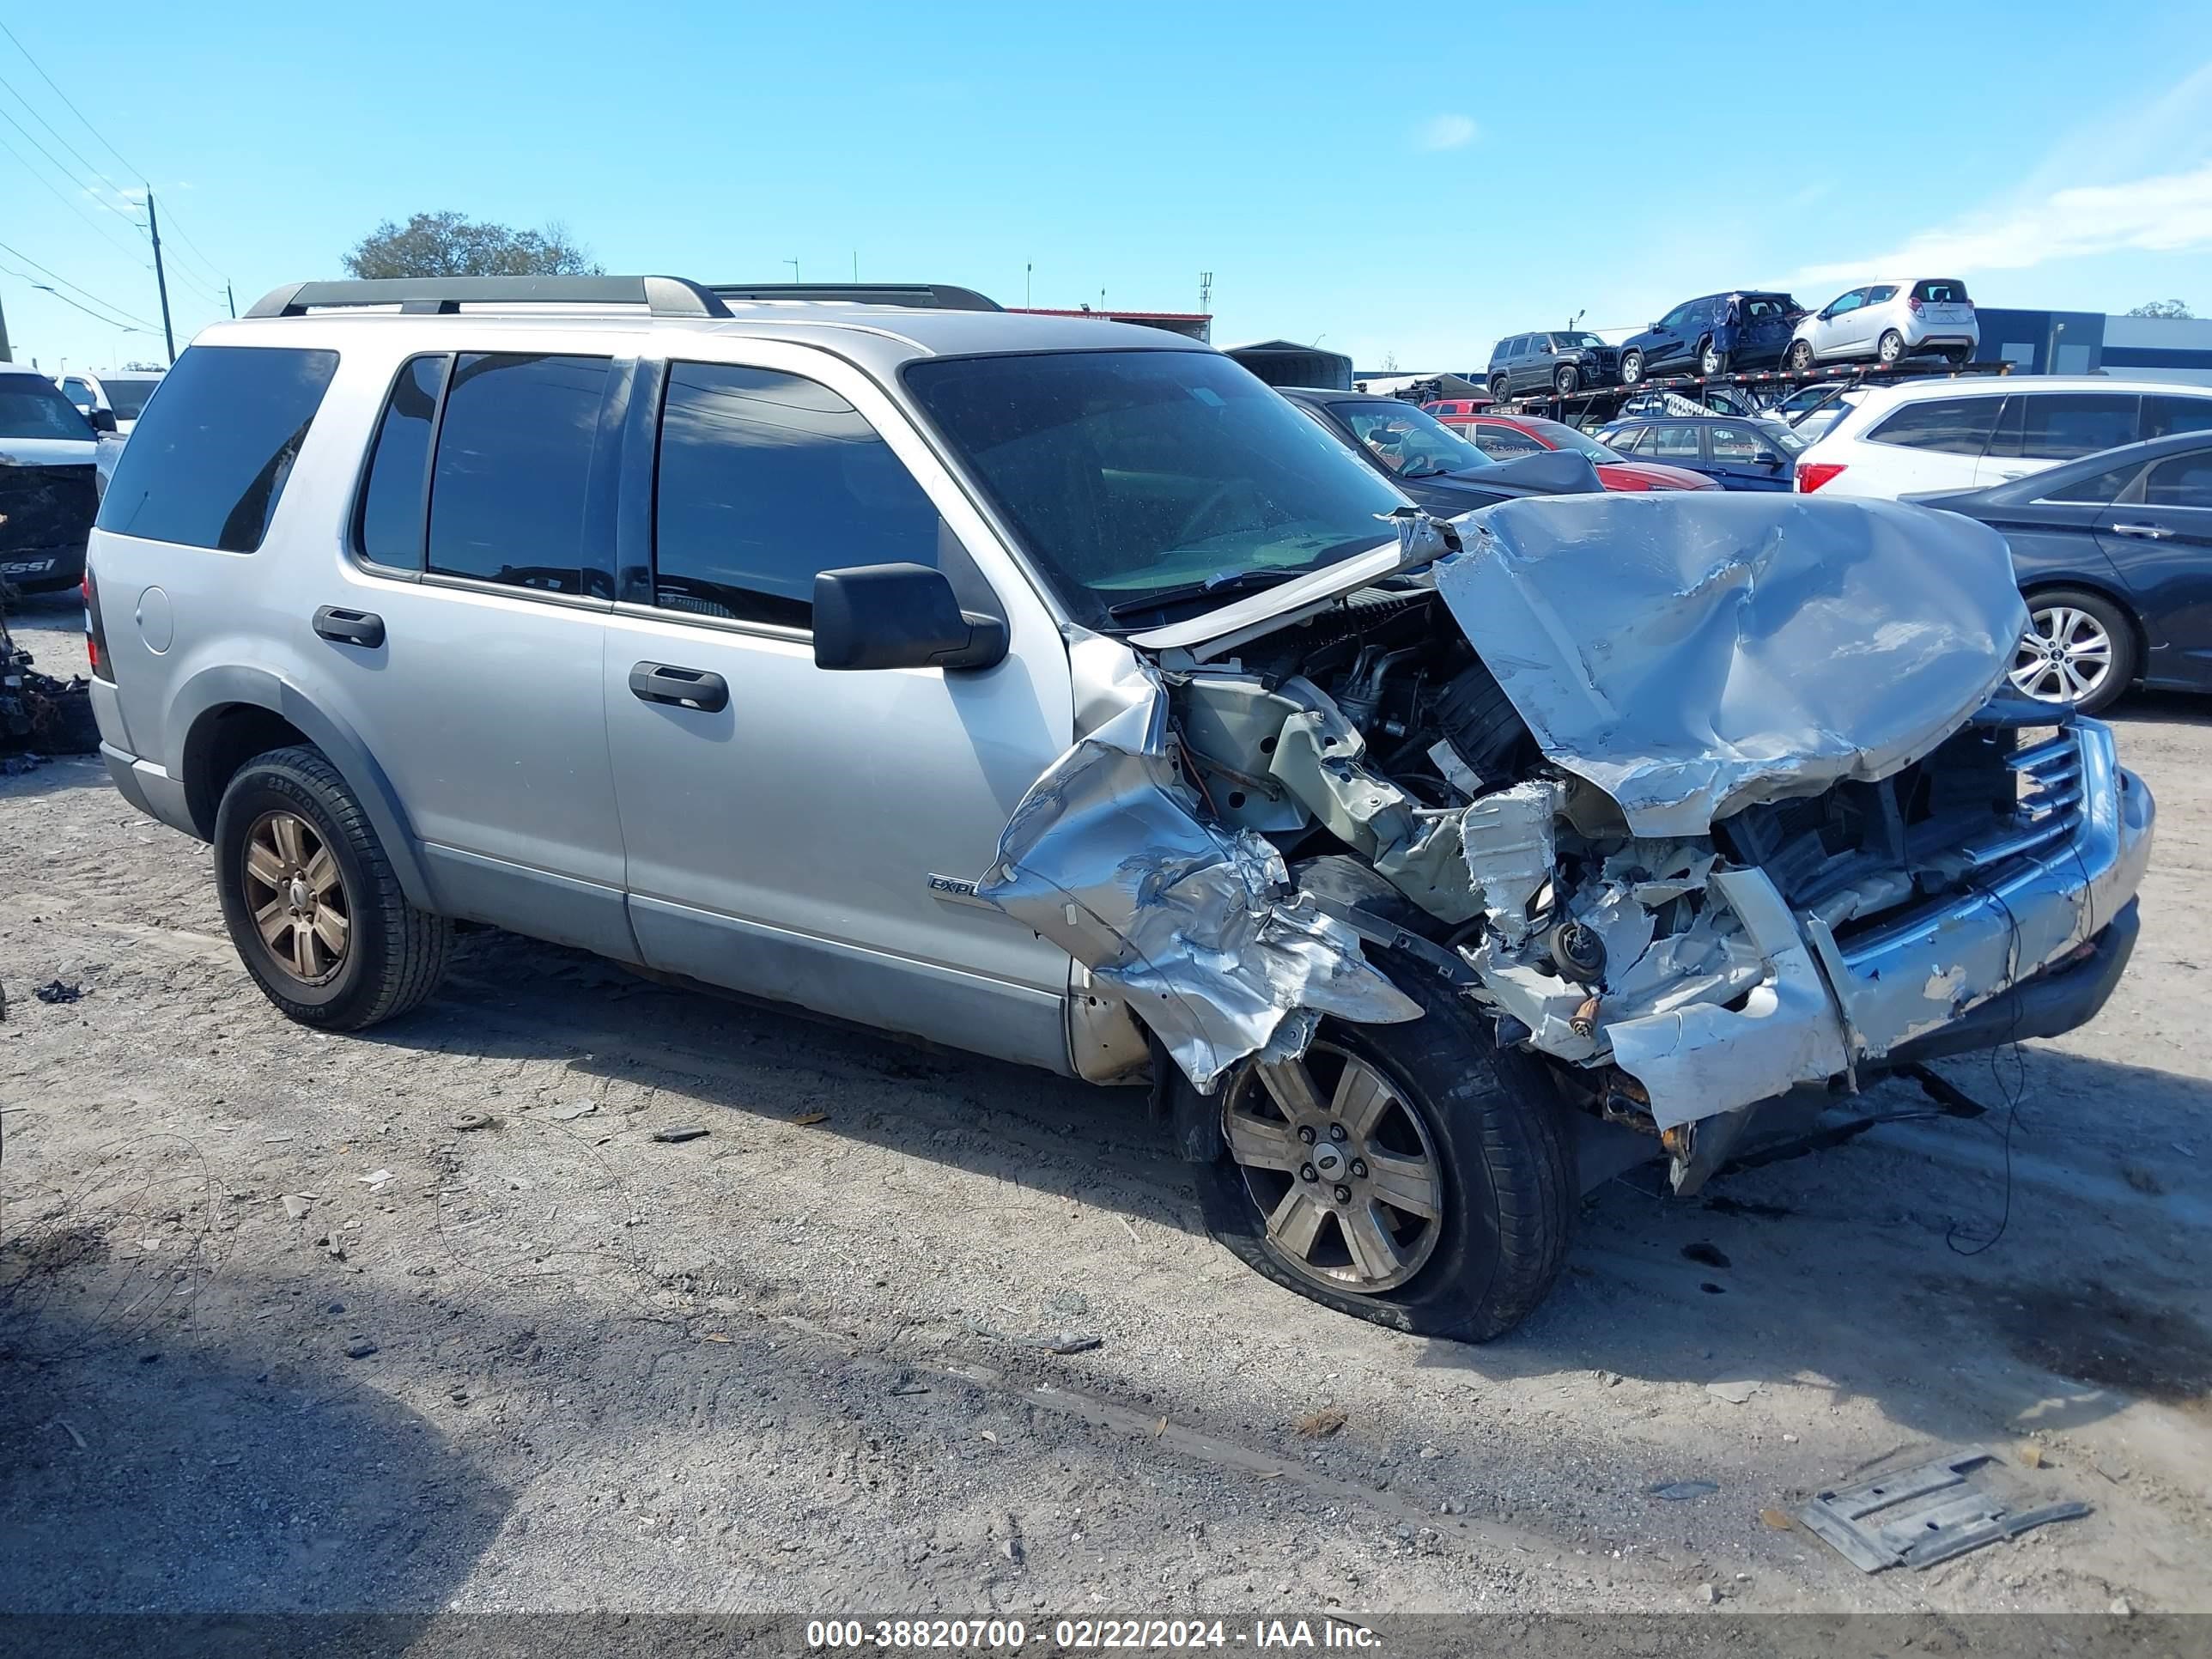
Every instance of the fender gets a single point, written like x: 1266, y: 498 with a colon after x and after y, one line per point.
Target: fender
x: 201, y: 700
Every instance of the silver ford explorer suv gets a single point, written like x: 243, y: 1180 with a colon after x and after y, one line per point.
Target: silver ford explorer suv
x: 1052, y: 688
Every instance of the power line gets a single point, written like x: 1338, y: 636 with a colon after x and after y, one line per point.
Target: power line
x: 97, y: 197
x: 43, y: 288
x: 135, y: 171
x: 77, y: 288
x: 131, y: 252
x: 60, y: 137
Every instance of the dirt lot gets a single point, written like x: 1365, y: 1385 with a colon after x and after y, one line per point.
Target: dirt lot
x: 552, y: 1362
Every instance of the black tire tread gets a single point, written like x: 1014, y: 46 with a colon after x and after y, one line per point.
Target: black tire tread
x: 411, y: 948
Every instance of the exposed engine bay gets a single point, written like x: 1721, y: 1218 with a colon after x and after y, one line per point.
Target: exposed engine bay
x: 1732, y: 819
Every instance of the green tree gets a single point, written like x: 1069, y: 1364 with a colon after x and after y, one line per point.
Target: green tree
x: 449, y: 245
x: 2162, y: 308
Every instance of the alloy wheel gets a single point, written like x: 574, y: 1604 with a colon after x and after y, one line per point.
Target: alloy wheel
x: 1339, y: 1165
x: 297, y: 896
x: 2064, y: 657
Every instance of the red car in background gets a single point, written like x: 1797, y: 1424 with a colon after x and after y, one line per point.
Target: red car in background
x: 1503, y: 437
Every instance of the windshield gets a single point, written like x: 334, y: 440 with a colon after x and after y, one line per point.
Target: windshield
x: 128, y: 397
x: 1577, y: 342
x: 1560, y: 435
x: 1127, y: 473
x: 1411, y: 442
x: 33, y: 407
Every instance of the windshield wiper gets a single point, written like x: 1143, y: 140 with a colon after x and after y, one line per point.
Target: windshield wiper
x: 1219, y: 584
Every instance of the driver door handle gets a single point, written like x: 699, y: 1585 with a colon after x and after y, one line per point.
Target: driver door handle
x: 361, y: 628
x: 683, y: 688
x: 2149, y: 532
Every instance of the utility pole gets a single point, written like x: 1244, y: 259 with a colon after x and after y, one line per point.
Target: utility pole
x: 160, y: 277
x: 1026, y: 270
x: 7, y: 352
x: 1204, y: 292
x: 230, y: 299
x: 793, y: 263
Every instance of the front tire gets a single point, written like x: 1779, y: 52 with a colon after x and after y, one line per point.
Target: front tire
x: 1447, y: 1205
x: 1890, y: 347
x: 1631, y: 368
x: 1566, y: 380
x: 2079, y: 651
x: 312, y: 902
x: 1800, y: 355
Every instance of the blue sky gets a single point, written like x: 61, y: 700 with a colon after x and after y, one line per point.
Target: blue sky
x: 1413, y: 180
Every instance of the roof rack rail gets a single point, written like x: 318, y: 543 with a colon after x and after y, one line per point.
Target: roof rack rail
x: 924, y: 296
x: 663, y: 297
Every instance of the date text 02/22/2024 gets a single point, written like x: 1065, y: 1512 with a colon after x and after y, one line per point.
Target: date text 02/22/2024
x: 1086, y: 1635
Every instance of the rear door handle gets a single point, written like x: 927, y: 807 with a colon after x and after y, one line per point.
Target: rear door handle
x: 684, y: 688
x: 2149, y: 532
x: 361, y: 628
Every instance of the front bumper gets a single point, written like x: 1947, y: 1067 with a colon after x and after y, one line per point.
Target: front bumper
x: 1980, y: 968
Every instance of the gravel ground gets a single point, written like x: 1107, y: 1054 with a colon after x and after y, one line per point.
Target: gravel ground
x: 276, y: 1334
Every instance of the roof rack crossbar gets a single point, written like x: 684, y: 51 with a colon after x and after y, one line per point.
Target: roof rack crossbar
x: 924, y: 296
x: 662, y: 296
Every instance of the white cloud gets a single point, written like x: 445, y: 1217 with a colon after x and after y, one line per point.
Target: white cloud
x: 2134, y: 180
x: 2171, y: 213
x: 1446, y: 132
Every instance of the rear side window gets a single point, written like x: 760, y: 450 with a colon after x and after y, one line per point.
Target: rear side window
x: 1944, y: 292
x: 2064, y: 426
x: 390, y: 530
x: 208, y: 464
x: 1950, y: 426
x: 1880, y: 295
x: 2164, y: 416
x: 514, y: 456
x: 765, y: 480
x: 2098, y: 488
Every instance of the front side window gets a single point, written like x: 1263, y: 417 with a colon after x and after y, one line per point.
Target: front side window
x: 1129, y: 473
x: 2180, y: 481
x: 30, y: 407
x: 1949, y: 426
x: 1843, y: 302
x: 2064, y: 426
x: 207, y: 465
x: 765, y: 480
x: 514, y: 456
x: 1739, y: 443
x: 80, y: 394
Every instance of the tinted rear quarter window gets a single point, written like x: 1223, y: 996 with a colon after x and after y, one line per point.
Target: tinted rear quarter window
x: 2164, y: 416
x: 2098, y: 488
x: 767, y: 479
x: 2180, y: 481
x: 1950, y: 426
x: 207, y: 465
x: 390, y: 531
x: 515, y: 460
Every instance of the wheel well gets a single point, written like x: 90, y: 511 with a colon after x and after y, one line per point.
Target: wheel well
x: 2086, y: 585
x: 223, y: 740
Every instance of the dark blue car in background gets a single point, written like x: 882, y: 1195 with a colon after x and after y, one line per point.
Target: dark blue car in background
x: 1735, y: 454
x: 1713, y: 335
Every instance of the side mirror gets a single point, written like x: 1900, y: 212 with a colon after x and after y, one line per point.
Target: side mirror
x: 103, y: 420
x: 899, y: 616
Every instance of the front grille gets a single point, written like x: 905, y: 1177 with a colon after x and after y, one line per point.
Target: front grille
x: 2047, y: 812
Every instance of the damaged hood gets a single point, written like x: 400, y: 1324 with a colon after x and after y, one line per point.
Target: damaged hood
x: 1692, y: 654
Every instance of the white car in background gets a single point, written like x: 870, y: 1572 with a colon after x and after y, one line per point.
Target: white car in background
x: 122, y: 393
x: 1971, y: 432
x: 1889, y: 321
x: 1810, y: 410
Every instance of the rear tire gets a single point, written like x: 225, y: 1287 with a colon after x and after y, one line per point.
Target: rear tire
x: 1497, y: 384
x: 1958, y: 356
x: 1484, y: 1123
x: 1890, y: 349
x: 324, y: 928
x: 2074, y: 636
x: 1631, y: 368
x: 1711, y: 361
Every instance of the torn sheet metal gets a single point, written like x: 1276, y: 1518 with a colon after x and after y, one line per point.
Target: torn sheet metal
x: 1196, y: 925
x: 1740, y: 648
x: 1509, y: 844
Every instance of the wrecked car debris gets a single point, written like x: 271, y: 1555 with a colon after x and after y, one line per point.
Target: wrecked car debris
x: 1197, y: 925
x: 1740, y: 817
x: 1924, y: 1515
